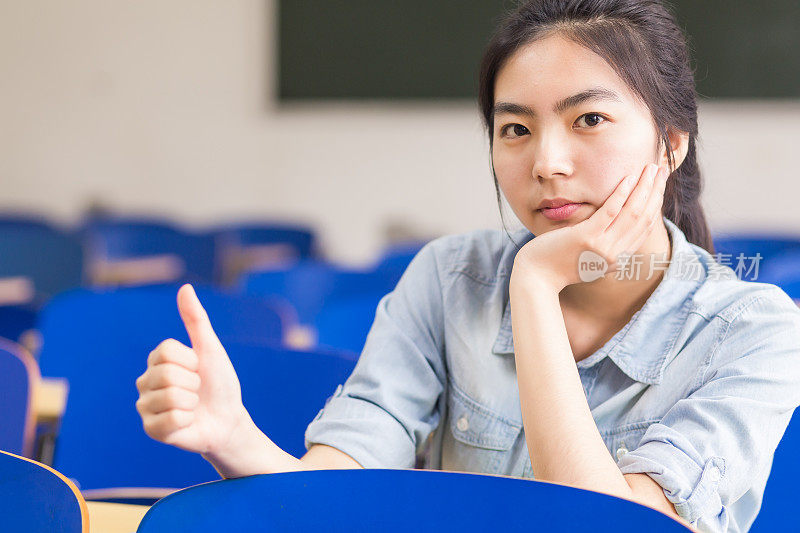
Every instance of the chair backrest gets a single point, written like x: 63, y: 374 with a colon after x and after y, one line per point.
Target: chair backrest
x: 396, y: 501
x: 36, y: 498
x: 285, y: 389
x: 344, y: 323
x: 19, y: 375
x: 792, y: 288
x: 780, y: 494
x: 750, y: 244
x: 242, y: 248
x: 187, y: 255
x: 49, y: 257
x: 310, y: 285
x: 396, y: 258
x: 145, y: 316
x: 100, y: 343
x: 301, y: 238
x: 347, y: 315
x: 23, y: 220
x: 16, y: 320
x: 783, y: 268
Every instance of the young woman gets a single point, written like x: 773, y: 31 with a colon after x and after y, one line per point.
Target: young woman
x: 666, y: 380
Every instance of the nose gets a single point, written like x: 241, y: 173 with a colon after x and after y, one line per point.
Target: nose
x: 551, y: 157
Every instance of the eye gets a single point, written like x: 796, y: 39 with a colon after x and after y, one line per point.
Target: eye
x: 591, y: 119
x: 518, y: 131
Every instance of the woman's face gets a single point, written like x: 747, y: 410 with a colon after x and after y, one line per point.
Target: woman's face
x: 565, y: 126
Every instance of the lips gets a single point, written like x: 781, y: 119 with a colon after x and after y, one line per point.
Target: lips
x: 555, y: 203
x: 560, y: 213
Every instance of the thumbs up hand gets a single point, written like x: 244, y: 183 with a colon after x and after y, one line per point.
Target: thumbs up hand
x: 191, y: 397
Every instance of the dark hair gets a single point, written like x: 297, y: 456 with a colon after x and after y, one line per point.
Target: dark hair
x: 642, y: 42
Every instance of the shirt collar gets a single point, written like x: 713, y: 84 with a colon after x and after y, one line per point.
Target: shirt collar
x: 655, y: 326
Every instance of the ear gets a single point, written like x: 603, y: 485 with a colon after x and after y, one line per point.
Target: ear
x: 680, y: 147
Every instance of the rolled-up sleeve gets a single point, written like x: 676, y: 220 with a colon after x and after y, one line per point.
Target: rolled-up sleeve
x: 384, y: 412
x: 710, y: 448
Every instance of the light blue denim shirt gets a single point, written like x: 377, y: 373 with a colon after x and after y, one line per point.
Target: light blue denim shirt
x: 695, y: 391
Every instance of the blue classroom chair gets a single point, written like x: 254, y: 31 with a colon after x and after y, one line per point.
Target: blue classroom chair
x: 254, y: 246
x: 285, y: 389
x: 780, y: 495
x: 101, y: 346
x: 34, y: 498
x: 23, y: 220
x: 783, y: 269
x: 344, y: 323
x: 397, y: 501
x: 15, y: 320
x: 88, y: 332
x: 299, y: 237
x: 50, y: 258
x: 113, y: 243
x: 792, y: 288
x: 766, y: 244
x: 149, y: 315
x: 19, y: 375
x: 345, y: 319
x: 395, y: 258
x: 309, y: 285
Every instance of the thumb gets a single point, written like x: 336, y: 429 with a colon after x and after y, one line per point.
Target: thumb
x: 195, y: 318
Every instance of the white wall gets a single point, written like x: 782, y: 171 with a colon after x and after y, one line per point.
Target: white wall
x: 165, y: 107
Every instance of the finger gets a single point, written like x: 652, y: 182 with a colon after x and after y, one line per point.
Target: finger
x: 196, y: 321
x: 172, y: 351
x: 168, y: 375
x: 158, y: 401
x: 655, y: 203
x: 631, y: 241
x: 654, y: 208
x: 629, y: 221
x: 650, y: 215
x: 160, y: 426
x: 603, y: 217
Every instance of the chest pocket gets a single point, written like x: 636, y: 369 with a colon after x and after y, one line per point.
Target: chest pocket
x: 624, y: 438
x: 483, y: 439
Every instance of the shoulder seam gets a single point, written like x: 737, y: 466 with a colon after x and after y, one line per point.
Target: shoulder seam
x: 458, y: 263
x: 733, y: 312
x: 739, y: 311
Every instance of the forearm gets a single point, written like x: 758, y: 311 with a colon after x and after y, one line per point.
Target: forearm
x: 248, y: 452
x: 563, y: 440
x: 322, y: 457
x: 252, y: 452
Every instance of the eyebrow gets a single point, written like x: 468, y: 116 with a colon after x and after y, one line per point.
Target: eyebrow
x: 596, y: 93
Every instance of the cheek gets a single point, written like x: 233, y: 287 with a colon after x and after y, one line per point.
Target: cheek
x: 616, y: 158
x: 512, y: 171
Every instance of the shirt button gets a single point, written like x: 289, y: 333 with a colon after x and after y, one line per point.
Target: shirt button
x: 622, y: 450
x: 462, y: 424
x: 714, y: 474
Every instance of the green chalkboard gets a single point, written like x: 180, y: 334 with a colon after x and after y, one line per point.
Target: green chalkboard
x: 430, y: 49
x: 744, y: 48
